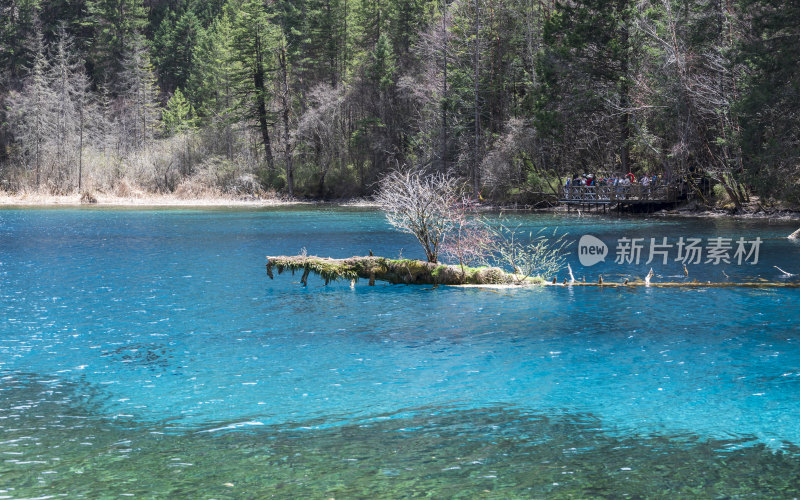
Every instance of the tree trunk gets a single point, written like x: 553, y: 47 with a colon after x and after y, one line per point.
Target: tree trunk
x: 624, y: 89
x: 261, y: 103
x: 287, y: 150
x: 80, y: 151
x: 444, y: 86
x: 475, y: 155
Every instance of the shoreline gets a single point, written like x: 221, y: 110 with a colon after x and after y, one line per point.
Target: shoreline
x: 142, y: 200
x: 105, y: 200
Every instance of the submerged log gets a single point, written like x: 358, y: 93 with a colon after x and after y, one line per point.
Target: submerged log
x: 400, y: 271
x: 690, y: 284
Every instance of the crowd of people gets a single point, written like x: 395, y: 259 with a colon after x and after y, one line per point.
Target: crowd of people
x: 614, y: 180
x: 646, y: 185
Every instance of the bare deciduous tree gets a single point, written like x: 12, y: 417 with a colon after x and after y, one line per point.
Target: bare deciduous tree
x: 420, y: 205
x: 31, y: 112
x: 470, y: 239
x: 321, y: 126
x: 73, y: 104
x: 139, y: 91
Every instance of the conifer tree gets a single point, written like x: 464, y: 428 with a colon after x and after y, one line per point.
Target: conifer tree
x: 213, y: 83
x: 116, y: 25
x: 770, y: 107
x: 254, y: 41
x: 178, y: 117
x: 17, y: 31
x: 173, y: 48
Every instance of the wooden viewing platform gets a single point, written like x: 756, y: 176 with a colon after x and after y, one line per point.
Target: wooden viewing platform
x: 622, y: 195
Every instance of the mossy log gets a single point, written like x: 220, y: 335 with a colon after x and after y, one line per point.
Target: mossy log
x: 417, y: 272
x: 400, y: 271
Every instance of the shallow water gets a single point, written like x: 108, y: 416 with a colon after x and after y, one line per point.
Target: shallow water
x: 146, y: 353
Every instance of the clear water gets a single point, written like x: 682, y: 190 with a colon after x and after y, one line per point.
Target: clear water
x: 146, y: 353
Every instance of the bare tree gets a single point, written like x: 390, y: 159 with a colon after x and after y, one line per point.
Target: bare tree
x: 470, y: 239
x: 140, y: 95
x: 31, y: 111
x: 420, y: 205
x: 73, y: 99
x: 699, y: 81
x: 321, y: 126
x: 434, y: 210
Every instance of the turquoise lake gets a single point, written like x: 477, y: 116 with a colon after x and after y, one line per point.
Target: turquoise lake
x: 147, y: 354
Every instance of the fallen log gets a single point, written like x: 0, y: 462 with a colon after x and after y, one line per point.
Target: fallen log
x: 395, y: 271
x: 417, y: 272
x: 689, y: 284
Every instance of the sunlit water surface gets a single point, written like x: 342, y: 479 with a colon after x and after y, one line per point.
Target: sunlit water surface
x: 147, y: 353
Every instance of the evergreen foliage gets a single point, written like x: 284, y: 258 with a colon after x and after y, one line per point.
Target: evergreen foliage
x: 322, y: 98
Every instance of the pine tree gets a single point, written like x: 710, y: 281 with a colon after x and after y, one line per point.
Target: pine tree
x: 406, y: 20
x: 769, y: 108
x: 370, y: 21
x: 212, y: 85
x: 17, y: 31
x: 254, y: 42
x: 163, y: 47
x: 173, y: 47
x: 584, y: 74
x: 381, y: 70
x: 116, y: 25
x: 178, y: 116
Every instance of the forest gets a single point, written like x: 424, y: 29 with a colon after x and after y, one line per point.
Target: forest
x: 322, y: 98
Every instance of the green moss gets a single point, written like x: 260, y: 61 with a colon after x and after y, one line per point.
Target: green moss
x: 332, y: 271
x: 439, y: 272
x: 408, y: 271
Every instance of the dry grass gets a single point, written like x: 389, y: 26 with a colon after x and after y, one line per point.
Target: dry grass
x: 130, y: 196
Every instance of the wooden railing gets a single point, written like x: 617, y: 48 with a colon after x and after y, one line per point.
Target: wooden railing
x: 620, y: 194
